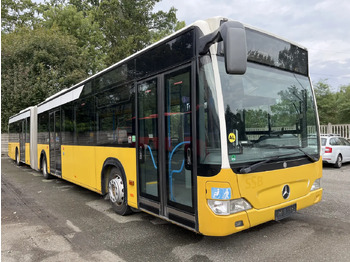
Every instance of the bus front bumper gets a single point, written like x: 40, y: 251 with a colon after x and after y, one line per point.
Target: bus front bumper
x: 215, y: 225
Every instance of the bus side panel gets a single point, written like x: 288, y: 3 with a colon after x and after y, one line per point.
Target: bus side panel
x: 78, y: 166
x: 12, y: 150
x: 209, y: 223
x: 45, y: 148
x: 127, y: 157
x: 27, y: 153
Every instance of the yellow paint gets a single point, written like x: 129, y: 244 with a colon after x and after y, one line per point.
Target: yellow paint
x: 12, y: 150
x: 27, y: 153
x: 82, y: 165
x: 262, y: 190
x: 232, y: 137
x: 46, y: 149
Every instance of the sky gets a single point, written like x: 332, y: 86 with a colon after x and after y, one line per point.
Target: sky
x: 322, y: 26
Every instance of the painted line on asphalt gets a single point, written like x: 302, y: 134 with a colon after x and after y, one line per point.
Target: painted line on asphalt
x: 105, y: 208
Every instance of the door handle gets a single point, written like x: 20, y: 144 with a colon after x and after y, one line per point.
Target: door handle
x: 188, y: 157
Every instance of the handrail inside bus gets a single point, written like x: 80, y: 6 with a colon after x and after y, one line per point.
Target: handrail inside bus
x: 154, y: 163
x: 171, y: 172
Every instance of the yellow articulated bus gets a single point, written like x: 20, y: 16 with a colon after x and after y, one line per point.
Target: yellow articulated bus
x: 214, y: 128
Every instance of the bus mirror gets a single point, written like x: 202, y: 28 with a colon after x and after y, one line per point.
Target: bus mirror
x: 235, y: 49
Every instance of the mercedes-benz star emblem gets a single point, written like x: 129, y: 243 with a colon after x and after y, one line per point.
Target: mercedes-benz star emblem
x: 285, y: 192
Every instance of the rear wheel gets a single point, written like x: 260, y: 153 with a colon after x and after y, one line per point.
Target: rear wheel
x: 339, y: 161
x: 18, y: 162
x: 117, y: 192
x: 44, y: 168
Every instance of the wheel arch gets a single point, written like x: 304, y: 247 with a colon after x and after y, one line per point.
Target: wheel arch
x: 107, y: 166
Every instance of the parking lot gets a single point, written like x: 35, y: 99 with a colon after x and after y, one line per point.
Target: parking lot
x: 54, y: 220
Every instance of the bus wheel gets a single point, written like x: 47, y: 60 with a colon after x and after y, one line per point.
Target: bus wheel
x: 117, y: 192
x: 18, y: 162
x: 44, y: 168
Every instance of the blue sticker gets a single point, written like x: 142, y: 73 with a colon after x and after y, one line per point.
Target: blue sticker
x: 220, y: 193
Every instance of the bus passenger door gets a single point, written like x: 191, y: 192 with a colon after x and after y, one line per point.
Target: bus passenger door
x: 178, y: 146
x: 164, y: 132
x: 148, y: 144
x: 22, y: 140
x: 55, y: 143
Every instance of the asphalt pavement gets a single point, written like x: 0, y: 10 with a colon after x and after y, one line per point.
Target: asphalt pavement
x: 54, y: 220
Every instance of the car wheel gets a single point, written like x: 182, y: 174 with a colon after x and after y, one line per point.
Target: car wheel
x: 117, y: 192
x: 339, y: 161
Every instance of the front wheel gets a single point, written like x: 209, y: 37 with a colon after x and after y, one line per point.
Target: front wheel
x: 339, y: 161
x: 117, y: 192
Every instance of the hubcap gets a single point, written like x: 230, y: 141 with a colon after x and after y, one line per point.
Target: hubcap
x: 116, y: 190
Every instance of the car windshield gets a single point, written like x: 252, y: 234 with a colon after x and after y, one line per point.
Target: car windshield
x: 268, y: 112
x: 323, y: 141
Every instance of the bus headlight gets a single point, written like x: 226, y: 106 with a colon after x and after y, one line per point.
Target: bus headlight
x: 220, y: 207
x: 316, y: 184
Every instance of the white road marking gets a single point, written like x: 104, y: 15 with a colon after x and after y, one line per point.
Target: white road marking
x: 47, y: 181
x: 105, y: 208
x: 72, y: 226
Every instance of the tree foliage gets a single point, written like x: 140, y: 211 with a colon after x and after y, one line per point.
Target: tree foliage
x: 36, y: 64
x: 332, y: 107
x: 52, y: 45
x: 16, y: 14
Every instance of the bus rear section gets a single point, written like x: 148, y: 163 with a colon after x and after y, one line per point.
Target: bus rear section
x: 22, y: 137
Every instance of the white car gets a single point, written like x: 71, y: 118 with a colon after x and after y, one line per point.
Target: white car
x: 335, y: 150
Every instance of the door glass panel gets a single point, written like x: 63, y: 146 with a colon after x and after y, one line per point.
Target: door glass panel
x: 52, y: 142
x: 178, y: 137
x: 58, y: 140
x: 148, y: 139
x: 22, y: 139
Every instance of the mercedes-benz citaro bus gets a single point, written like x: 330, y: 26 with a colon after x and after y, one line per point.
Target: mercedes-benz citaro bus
x: 214, y: 128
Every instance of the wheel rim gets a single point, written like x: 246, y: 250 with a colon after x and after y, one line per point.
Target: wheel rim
x: 17, y: 158
x: 339, y: 160
x: 116, y: 190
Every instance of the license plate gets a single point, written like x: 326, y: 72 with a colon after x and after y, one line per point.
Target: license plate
x: 285, y: 212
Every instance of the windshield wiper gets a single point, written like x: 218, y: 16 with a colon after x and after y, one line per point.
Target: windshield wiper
x: 272, y: 146
x: 313, y: 159
x: 248, y: 169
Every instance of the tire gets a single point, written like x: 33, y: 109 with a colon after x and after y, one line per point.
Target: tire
x: 339, y: 161
x: 46, y: 174
x: 18, y: 162
x: 117, y: 192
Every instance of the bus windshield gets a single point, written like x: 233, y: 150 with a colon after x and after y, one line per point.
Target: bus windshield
x: 269, y: 112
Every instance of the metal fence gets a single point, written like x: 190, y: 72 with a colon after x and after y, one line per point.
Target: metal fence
x: 342, y: 130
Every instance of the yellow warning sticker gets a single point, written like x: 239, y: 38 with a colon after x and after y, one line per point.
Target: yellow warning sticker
x: 232, y: 137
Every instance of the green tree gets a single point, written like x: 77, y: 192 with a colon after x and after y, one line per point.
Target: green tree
x: 326, y: 103
x: 16, y: 13
x: 36, y: 64
x: 130, y: 25
x: 343, y: 105
x: 83, y: 27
